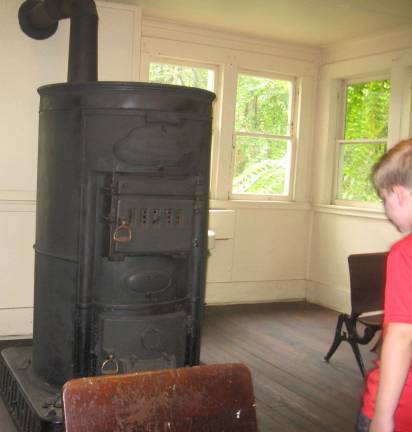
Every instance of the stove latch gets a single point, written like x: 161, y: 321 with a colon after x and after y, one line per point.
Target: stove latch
x: 123, y: 232
x: 110, y: 365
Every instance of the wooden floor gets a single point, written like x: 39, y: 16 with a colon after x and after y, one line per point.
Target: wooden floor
x: 283, y: 344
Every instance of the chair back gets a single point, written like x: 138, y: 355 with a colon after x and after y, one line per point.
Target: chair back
x: 209, y: 398
x: 367, y: 281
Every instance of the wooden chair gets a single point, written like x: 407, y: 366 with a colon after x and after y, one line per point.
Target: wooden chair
x: 367, y: 282
x: 210, y: 398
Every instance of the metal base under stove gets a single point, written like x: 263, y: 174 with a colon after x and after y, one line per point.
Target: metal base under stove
x: 34, y: 405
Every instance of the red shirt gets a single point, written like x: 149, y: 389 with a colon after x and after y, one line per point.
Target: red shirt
x: 398, y: 309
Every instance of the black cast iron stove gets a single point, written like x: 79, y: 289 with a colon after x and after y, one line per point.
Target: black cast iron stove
x: 121, y: 226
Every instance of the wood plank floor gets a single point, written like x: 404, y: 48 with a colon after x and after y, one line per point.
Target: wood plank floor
x: 283, y: 344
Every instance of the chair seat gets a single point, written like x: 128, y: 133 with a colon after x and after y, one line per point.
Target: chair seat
x: 371, y: 320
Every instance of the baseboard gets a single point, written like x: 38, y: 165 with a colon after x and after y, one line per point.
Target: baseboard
x: 16, y: 323
x: 255, y: 291
x: 328, y: 296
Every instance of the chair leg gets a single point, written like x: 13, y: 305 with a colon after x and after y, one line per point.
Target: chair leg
x: 355, y: 349
x: 352, y: 337
x: 339, y: 337
x: 351, y: 326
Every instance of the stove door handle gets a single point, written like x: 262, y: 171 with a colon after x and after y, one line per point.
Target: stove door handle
x: 110, y: 366
x: 123, y: 232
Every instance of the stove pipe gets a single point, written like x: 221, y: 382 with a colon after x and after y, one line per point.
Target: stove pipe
x: 39, y: 20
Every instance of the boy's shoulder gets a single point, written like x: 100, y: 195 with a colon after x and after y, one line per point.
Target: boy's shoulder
x: 404, y: 244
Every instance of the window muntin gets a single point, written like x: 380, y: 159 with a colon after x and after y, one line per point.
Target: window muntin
x: 364, y: 132
x: 263, y: 137
x: 184, y: 75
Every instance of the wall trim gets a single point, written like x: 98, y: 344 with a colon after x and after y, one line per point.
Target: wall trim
x: 255, y: 291
x: 262, y: 205
x: 362, y: 212
x: 17, y: 206
x: 378, y: 43
x: 167, y: 29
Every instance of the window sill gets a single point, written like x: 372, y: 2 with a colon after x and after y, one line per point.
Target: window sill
x: 254, y: 204
x: 364, y: 212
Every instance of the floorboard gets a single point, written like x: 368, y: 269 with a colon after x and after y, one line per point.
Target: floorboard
x: 283, y: 344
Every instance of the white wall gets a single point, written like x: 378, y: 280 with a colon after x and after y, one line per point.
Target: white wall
x: 338, y: 231
x: 336, y: 235
x: 261, y: 258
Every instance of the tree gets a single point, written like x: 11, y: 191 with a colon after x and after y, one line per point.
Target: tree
x: 180, y: 75
x: 367, y: 111
x: 262, y: 108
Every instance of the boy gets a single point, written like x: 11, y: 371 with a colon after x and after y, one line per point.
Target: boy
x: 387, y: 400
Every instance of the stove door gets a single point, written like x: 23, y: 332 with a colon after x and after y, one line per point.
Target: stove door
x: 135, y: 343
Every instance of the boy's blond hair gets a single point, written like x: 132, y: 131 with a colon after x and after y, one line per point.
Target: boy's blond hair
x: 394, y: 167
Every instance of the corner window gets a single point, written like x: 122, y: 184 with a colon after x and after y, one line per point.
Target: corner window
x: 263, y: 137
x: 364, y: 136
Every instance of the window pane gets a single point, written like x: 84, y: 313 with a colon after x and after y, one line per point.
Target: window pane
x: 367, y: 110
x: 263, y: 105
x: 182, y: 75
x: 261, y: 166
x: 357, y: 161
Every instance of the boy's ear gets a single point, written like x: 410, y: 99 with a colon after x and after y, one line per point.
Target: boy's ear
x: 402, y: 194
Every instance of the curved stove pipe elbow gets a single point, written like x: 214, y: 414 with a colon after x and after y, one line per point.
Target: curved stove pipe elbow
x: 39, y: 20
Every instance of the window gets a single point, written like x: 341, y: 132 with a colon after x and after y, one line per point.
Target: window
x: 363, y: 138
x: 263, y: 137
x: 184, y: 75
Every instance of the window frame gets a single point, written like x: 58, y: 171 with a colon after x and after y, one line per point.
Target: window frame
x: 340, y: 141
x: 292, y: 138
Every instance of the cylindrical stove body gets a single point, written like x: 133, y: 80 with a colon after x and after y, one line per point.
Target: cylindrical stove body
x: 121, y: 228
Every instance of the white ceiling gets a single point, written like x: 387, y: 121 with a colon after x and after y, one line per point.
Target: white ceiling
x: 311, y: 22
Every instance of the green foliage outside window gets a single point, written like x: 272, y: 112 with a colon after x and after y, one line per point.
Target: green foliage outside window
x: 181, y: 75
x: 358, y: 160
x: 367, y: 111
x: 261, y: 165
x: 263, y: 107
